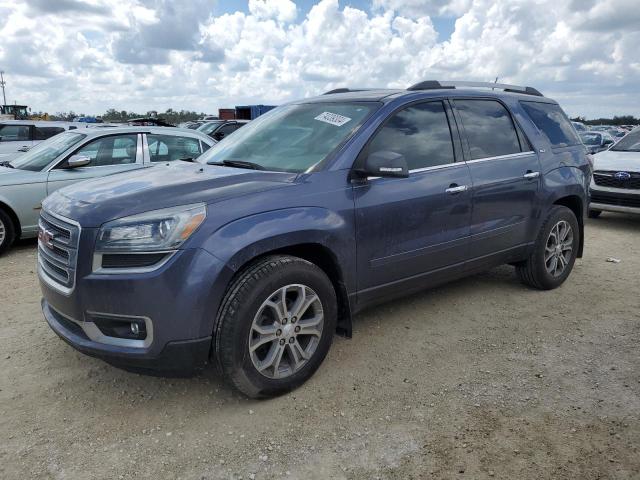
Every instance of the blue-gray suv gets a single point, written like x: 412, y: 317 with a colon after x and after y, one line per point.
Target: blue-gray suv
x: 254, y: 256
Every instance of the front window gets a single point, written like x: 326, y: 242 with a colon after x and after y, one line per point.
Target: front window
x: 630, y: 143
x: 589, y: 138
x: 46, y: 152
x: 291, y: 138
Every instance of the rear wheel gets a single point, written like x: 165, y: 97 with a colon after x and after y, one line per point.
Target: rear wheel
x: 7, y: 231
x: 554, y: 252
x: 275, y: 326
x: 594, y: 213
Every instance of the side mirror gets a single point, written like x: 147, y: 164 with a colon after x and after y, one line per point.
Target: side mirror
x: 76, y: 161
x: 384, y: 163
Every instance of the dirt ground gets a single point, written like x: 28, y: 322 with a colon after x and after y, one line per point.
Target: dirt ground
x: 481, y: 378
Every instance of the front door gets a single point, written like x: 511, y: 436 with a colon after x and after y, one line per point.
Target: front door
x: 506, y: 178
x: 110, y: 154
x: 410, y: 227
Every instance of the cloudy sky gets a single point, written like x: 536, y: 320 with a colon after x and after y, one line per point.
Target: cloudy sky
x: 139, y: 55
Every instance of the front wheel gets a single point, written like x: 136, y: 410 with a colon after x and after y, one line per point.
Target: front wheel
x: 7, y: 232
x: 554, y: 252
x: 275, y: 326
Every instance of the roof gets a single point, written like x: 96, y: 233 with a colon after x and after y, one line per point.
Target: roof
x: 432, y: 88
x: 100, y: 132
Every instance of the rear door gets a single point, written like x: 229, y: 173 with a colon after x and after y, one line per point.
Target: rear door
x: 506, y: 178
x: 409, y: 227
x: 109, y: 154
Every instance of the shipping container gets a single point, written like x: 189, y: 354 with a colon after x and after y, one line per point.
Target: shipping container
x: 227, y: 114
x: 249, y: 112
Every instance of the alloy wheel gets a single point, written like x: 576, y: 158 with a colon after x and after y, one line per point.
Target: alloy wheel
x: 559, y: 248
x: 286, y: 331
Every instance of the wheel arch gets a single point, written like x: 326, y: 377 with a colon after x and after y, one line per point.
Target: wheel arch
x: 577, y: 206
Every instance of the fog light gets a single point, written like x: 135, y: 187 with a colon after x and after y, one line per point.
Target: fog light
x: 135, y: 328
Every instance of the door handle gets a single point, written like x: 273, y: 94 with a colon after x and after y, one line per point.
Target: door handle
x: 531, y: 175
x: 453, y: 189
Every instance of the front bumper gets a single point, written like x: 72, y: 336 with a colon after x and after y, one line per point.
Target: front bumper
x: 619, y: 200
x: 177, y: 303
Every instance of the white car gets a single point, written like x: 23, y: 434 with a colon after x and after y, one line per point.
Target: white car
x: 18, y: 136
x: 78, y: 155
x: 615, y: 185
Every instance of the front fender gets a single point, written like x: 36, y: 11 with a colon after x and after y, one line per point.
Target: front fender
x: 242, y: 240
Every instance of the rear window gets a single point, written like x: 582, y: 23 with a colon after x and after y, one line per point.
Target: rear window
x: 552, y: 122
x: 489, y: 129
x: 42, y: 133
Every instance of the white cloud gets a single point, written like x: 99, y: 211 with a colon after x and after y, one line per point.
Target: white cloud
x: 155, y: 54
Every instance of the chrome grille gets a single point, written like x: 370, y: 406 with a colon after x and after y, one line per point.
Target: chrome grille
x: 58, y: 240
x: 608, y: 179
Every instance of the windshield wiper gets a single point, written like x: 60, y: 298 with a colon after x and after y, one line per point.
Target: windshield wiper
x: 239, y: 164
x: 6, y: 163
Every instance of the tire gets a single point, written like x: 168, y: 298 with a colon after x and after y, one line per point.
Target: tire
x: 7, y: 232
x: 537, y: 271
x: 253, y: 307
x: 594, y: 213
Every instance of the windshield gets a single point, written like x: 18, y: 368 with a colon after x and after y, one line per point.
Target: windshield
x: 45, y: 152
x: 630, y: 143
x: 591, y: 138
x: 209, y: 127
x: 291, y: 138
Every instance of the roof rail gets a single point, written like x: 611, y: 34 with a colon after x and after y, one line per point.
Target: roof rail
x: 346, y: 90
x: 435, y: 84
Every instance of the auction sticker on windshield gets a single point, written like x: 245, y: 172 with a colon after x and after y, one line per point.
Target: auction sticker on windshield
x: 332, y: 118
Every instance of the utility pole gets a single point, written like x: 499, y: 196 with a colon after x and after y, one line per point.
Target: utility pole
x: 3, y: 83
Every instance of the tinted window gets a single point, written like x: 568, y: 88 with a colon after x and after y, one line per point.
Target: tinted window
x: 115, y: 150
x: 489, y: 128
x: 421, y: 133
x: 42, y: 133
x: 15, y: 133
x: 552, y: 122
x: 165, y: 148
x: 229, y: 128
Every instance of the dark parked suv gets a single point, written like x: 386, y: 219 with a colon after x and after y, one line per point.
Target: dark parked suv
x: 255, y: 256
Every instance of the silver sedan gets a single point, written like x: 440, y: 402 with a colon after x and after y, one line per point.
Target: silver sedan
x: 74, y: 156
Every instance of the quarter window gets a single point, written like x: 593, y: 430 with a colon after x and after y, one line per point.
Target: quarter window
x: 15, y: 133
x: 420, y: 133
x: 489, y: 128
x: 552, y: 122
x: 166, y: 148
x: 112, y: 150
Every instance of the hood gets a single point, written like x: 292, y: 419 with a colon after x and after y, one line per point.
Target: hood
x: 618, y: 161
x: 99, y: 200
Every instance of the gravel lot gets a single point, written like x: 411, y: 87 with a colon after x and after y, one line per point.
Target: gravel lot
x: 481, y: 378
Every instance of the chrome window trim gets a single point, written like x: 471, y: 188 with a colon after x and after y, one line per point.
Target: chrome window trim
x: 436, y: 167
x: 97, y: 263
x: 502, y: 157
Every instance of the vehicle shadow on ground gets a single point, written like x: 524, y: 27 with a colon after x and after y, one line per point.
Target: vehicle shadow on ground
x: 616, y: 221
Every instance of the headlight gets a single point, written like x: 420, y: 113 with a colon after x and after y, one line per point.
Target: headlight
x: 164, y: 229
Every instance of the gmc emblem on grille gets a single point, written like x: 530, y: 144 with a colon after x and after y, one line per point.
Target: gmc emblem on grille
x: 46, y: 237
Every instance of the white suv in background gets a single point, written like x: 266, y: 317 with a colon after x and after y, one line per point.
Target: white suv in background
x: 18, y: 136
x: 615, y: 185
